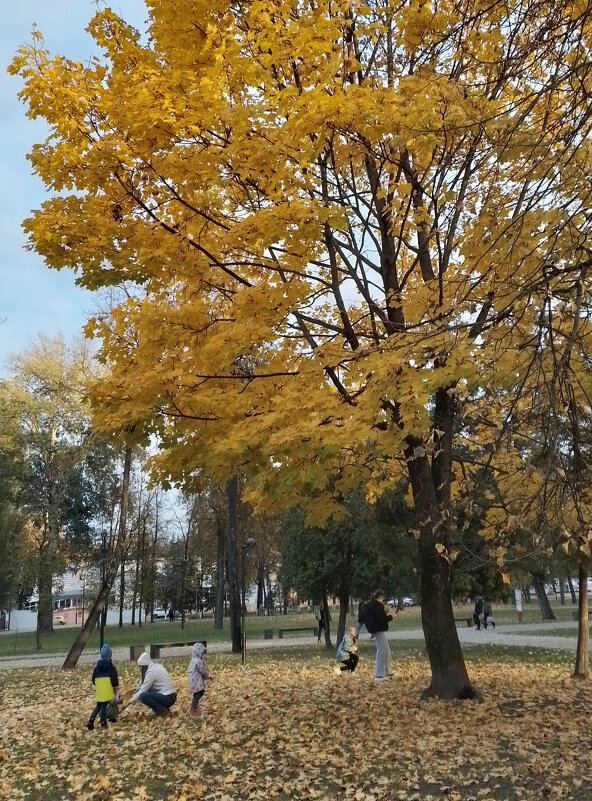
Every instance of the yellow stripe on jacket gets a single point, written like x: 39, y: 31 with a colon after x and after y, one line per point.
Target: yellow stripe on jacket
x: 104, y: 688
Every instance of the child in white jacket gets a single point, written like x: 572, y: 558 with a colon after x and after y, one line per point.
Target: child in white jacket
x: 197, y: 675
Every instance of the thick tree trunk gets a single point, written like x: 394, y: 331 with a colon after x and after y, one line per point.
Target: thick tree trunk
x: 233, y: 579
x: 120, y: 546
x: 431, y: 494
x: 582, y: 667
x: 343, y: 610
x: 539, y: 587
x: 220, y: 575
x: 562, y: 590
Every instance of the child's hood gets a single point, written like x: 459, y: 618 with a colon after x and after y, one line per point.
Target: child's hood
x: 199, y: 651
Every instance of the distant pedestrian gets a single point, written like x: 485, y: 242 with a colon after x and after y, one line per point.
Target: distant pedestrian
x: 377, y: 618
x: 157, y: 691
x: 106, y: 681
x: 197, y: 675
x: 478, y: 611
x: 320, y: 618
x: 171, y: 614
x: 347, y: 652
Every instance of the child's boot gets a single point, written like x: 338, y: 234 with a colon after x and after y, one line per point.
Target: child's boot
x: 90, y: 725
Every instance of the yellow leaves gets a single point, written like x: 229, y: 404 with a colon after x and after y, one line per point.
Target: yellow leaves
x: 263, y: 736
x: 225, y: 172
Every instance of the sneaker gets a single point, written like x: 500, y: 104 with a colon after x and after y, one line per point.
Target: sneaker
x: 90, y: 725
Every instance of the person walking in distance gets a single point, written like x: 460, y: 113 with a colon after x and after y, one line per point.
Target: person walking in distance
x: 478, y: 612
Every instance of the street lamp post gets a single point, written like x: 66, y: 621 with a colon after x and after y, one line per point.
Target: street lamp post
x: 250, y: 543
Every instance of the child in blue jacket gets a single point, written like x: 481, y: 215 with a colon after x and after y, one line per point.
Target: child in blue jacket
x: 105, y: 679
x: 347, y: 652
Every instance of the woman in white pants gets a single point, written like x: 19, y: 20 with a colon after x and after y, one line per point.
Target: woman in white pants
x: 376, y: 619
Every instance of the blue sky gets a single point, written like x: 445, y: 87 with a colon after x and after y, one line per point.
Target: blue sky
x: 34, y: 299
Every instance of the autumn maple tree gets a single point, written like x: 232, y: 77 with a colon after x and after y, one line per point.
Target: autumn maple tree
x: 336, y: 222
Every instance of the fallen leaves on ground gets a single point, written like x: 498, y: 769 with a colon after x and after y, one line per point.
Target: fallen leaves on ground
x: 289, y: 729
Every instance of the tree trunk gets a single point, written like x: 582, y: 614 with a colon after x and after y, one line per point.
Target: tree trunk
x: 135, y: 593
x: 183, y: 575
x: 572, y: 592
x: 581, y: 667
x: 220, y: 575
x: 44, y: 585
x: 120, y: 546
x: 260, y: 586
x: 449, y: 674
x: 233, y: 580
x: 539, y: 587
x: 562, y: 590
x: 327, y: 620
x: 343, y: 610
x: 121, y: 590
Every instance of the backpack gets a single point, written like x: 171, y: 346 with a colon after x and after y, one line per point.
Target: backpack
x: 370, y: 619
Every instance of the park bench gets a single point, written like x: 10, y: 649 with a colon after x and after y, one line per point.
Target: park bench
x: 467, y: 620
x: 136, y: 650
x: 314, y: 630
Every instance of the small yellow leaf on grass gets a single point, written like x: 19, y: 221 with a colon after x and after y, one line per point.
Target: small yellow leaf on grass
x: 104, y: 782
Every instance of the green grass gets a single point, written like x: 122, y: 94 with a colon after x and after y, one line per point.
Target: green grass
x: 23, y: 644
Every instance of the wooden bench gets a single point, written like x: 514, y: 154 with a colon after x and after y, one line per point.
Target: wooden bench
x: 154, y: 648
x: 314, y: 630
x: 467, y: 620
x: 135, y: 651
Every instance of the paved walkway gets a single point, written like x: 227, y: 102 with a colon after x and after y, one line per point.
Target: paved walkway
x: 514, y: 635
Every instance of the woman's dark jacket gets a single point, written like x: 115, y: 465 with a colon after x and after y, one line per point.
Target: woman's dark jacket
x: 375, y: 618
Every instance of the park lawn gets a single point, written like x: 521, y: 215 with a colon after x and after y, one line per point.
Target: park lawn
x: 285, y: 727
x: 24, y: 643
